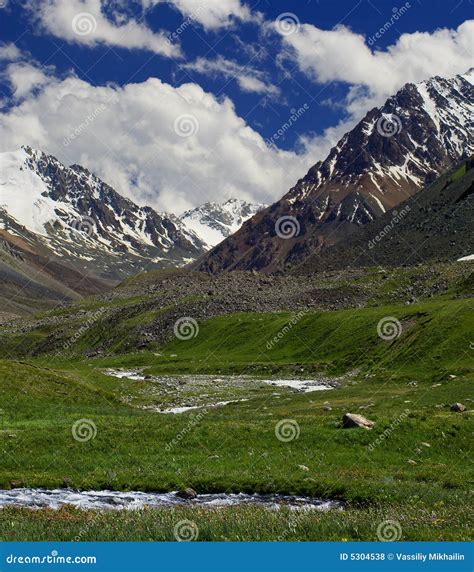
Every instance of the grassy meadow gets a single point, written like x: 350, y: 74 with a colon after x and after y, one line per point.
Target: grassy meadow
x: 413, y: 467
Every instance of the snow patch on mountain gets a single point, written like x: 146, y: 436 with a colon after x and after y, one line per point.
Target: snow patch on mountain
x: 78, y: 217
x: 213, y: 222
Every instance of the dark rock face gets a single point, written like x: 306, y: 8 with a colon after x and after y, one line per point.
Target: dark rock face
x: 434, y: 225
x: 393, y: 153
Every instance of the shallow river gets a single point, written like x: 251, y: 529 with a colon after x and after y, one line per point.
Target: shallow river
x: 42, y: 498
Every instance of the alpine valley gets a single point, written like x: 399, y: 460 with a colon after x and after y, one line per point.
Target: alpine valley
x: 299, y: 371
x: 65, y: 233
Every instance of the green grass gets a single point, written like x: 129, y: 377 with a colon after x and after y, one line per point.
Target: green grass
x: 412, y: 467
x: 129, y: 451
x: 418, y: 522
x: 459, y: 173
x: 434, y: 341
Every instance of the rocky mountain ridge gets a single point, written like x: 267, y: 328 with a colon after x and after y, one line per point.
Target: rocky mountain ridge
x: 394, y: 152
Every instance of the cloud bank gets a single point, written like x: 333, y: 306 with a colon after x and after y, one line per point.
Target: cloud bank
x: 172, y: 148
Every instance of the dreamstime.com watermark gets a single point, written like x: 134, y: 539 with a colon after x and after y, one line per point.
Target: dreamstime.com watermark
x: 389, y: 125
x: 287, y: 430
x: 52, y: 558
x: 287, y: 23
x: 187, y: 22
x: 287, y: 227
x: 389, y: 531
x: 287, y: 328
x: 84, y: 328
x: 186, y: 531
x: 296, y: 114
x: 84, y: 430
x: 186, y: 125
x: 397, y: 217
x: 389, y: 328
x: 84, y: 24
x: 84, y: 125
x: 386, y: 434
x: 193, y: 422
x: 397, y: 13
x: 186, y: 328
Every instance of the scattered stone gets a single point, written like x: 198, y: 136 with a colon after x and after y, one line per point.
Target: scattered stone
x: 187, y: 494
x: 425, y: 444
x: 452, y: 376
x: 303, y: 467
x: 327, y: 408
x: 67, y: 482
x: 412, y: 462
x: 413, y: 383
x: 16, y: 484
x: 458, y: 407
x: 350, y: 420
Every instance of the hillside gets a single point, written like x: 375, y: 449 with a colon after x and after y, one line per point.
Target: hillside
x: 433, y: 225
x: 393, y: 153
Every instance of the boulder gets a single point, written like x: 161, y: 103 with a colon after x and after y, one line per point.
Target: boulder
x: 458, y: 407
x: 187, y: 494
x: 354, y: 420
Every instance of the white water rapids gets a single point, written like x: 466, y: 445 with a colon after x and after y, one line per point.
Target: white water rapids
x: 107, y: 500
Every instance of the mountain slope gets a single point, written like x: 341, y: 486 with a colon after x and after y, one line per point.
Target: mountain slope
x: 213, y: 222
x: 435, y: 225
x: 391, y: 154
x: 84, y: 221
x: 33, y: 278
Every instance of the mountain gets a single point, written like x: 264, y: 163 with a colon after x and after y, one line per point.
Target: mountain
x: 434, y: 225
x: 33, y: 278
x: 213, y: 222
x: 77, y: 217
x: 394, y: 152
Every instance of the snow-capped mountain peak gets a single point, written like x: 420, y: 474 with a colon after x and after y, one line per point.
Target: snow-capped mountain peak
x: 81, y: 218
x: 392, y: 153
x: 213, y: 222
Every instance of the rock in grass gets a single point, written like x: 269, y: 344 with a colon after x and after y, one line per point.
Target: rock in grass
x: 350, y: 420
x: 187, y: 494
x: 458, y: 407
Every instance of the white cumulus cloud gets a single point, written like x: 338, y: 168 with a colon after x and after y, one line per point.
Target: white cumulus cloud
x: 172, y: 148
x: 211, y: 14
x: 342, y: 55
x: 9, y: 52
x: 250, y: 79
x: 84, y: 22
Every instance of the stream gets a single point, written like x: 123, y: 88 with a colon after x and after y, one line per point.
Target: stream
x: 108, y: 500
x: 183, y: 382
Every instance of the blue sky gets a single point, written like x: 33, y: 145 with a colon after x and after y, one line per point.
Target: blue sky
x: 236, y: 70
